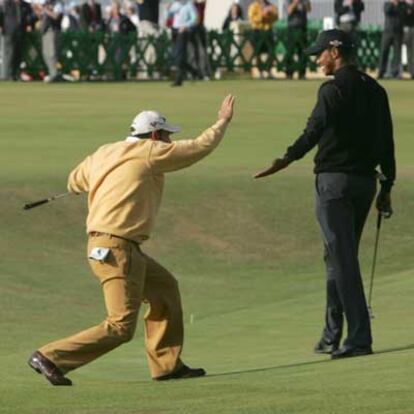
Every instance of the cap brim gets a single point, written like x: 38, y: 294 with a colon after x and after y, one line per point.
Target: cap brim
x: 314, y: 50
x: 171, y: 128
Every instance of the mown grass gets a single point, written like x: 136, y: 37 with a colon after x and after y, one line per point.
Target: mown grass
x: 247, y: 254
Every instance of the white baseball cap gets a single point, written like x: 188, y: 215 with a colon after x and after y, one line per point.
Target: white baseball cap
x: 149, y: 121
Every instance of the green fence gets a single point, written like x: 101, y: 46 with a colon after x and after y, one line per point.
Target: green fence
x: 117, y: 57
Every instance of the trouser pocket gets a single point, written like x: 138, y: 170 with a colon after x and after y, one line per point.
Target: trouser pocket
x: 117, y: 260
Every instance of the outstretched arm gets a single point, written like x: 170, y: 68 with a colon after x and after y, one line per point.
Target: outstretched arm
x: 78, y: 181
x: 181, y: 154
x: 324, y: 111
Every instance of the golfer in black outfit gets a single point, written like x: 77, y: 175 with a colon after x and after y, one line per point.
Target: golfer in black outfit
x: 351, y: 124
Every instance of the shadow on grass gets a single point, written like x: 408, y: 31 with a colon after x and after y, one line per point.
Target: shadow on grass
x: 400, y: 348
x: 307, y: 363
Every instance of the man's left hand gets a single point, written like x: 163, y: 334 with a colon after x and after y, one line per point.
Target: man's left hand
x: 277, y: 165
x: 383, y: 204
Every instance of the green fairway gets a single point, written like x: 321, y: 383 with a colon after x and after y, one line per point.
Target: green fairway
x: 247, y: 254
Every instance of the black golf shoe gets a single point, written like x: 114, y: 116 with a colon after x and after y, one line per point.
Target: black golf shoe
x: 348, y: 352
x: 324, y: 347
x: 46, y: 367
x: 183, y: 373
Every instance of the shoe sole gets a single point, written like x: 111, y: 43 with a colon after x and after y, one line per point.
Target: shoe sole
x: 356, y: 354
x: 35, y: 367
x: 182, y: 377
x: 320, y: 352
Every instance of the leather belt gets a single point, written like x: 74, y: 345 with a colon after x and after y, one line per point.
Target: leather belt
x: 98, y: 234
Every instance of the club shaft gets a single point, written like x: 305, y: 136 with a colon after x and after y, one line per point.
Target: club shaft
x: 59, y: 196
x: 37, y: 203
x: 374, y: 261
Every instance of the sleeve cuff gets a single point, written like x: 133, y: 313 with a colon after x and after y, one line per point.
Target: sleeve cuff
x: 386, y: 186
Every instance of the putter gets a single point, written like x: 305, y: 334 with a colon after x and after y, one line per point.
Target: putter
x: 381, y: 214
x: 28, y: 206
x: 371, y: 285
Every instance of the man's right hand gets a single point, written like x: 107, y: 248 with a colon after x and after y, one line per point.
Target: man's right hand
x: 383, y: 204
x: 277, y: 165
x: 226, y: 110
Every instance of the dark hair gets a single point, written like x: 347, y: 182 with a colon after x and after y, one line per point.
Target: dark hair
x: 147, y: 134
x: 142, y: 136
x: 347, y: 53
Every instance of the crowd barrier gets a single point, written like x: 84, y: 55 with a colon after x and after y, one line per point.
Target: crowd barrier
x: 117, y: 57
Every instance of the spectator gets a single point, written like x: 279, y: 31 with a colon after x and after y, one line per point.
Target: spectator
x: 71, y: 19
x: 149, y: 13
x: 52, y: 14
x: 118, y: 22
x: 91, y: 16
x: 131, y: 12
x: 395, y: 11
x: 91, y: 20
x: 348, y: 14
x: 184, y: 17
x: 233, y: 47
x: 409, y: 36
x: 199, y: 42
x: 235, y: 15
x: 297, y: 12
x: 262, y: 16
x: 16, y: 17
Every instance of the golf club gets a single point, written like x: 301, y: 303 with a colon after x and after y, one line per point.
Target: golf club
x: 386, y: 214
x: 28, y: 206
x: 379, y: 220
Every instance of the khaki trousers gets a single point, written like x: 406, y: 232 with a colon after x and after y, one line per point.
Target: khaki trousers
x: 128, y: 277
x: 49, y: 50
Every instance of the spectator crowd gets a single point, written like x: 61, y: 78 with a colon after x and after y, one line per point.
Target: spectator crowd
x: 184, y: 22
x: 398, y: 30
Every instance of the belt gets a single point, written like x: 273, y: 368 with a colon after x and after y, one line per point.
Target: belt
x: 99, y: 234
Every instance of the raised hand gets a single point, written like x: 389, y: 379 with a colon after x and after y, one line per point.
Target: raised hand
x: 226, y: 109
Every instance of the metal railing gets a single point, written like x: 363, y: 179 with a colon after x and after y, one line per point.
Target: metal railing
x: 118, y: 57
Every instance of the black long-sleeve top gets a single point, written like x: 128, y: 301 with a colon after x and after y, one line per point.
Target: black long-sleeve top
x: 357, y: 8
x: 394, y: 17
x: 409, y: 15
x: 148, y: 10
x: 351, y: 124
x: 16, y: 17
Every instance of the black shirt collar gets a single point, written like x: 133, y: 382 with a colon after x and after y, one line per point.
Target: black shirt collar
x: 345, y: 69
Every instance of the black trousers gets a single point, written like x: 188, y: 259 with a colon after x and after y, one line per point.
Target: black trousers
x: 395, y: 41
x: 296, y: 44
x: 180, y: 56
x: 199, y: 58
x: 409, y: 41
x: 13, y: 45
x: 263, y: 43
x: 342, y: 205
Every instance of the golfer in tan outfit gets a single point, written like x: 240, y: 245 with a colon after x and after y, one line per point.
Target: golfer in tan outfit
x: 124, y: 181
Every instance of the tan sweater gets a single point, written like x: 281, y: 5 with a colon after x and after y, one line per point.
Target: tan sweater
x: 125, y: 180
x: 262, y: 18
